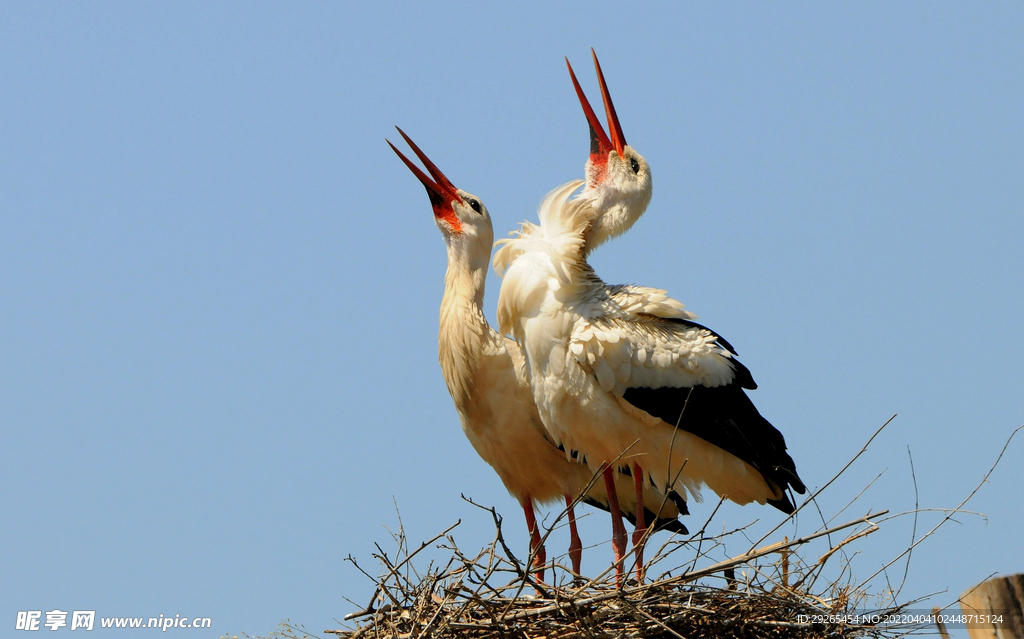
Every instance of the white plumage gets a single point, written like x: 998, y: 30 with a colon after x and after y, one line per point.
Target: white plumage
x: 616, y: 369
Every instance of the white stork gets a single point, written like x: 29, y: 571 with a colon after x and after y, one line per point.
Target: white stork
x: 485, y: 375
x: 618, y: 179
x: 625, y: 369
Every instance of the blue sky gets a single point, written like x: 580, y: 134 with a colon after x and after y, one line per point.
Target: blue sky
x: 220, y: 288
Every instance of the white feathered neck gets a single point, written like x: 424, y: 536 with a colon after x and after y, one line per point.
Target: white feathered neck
x: 555, y: 247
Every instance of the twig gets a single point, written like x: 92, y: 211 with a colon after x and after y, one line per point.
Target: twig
x: 955, y: 510
x: 827, y: 484
x: 857, y: 535
x: 913, y: 532
x: 855, y: 498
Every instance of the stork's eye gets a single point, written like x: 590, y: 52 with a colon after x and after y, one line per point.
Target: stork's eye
x: 474, y: 204
x: 633, y: 164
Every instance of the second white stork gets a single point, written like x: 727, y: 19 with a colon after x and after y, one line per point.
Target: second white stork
x: 641, y: 377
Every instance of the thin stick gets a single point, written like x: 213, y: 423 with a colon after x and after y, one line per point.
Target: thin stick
x: 827, y: 484
x: 913, y: 532
x: 858, y: 495
x: 857, y: 535
x: 955, y: 510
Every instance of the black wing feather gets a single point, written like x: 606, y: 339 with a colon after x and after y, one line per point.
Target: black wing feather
x: 725, y: 416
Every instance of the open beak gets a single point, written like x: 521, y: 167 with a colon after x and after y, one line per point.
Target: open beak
x: 618, y: 139
x: 440, y: 190
x: 600, y: 143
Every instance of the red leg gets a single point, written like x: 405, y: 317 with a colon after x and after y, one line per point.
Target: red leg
x: 618, y: 530
x: 575, y: 545
x: 641, y: 526
x: 536, y: 549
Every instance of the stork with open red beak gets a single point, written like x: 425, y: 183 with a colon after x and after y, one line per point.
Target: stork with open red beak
x: 485, y: 374
x: 618, y: 179
x: 622, y: 374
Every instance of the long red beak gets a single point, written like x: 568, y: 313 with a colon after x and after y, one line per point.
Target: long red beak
x: 440, y: 190
x: 618, y: 139
x: 600, y: 144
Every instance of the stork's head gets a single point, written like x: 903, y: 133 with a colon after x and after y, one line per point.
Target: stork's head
x: 462, y: 218
x: 618, y: 180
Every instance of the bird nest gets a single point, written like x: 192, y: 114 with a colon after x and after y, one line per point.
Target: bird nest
x: 493, y: 594
x: 777, y: 590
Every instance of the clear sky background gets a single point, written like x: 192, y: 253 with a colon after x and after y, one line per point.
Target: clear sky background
x: 219, y: 288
